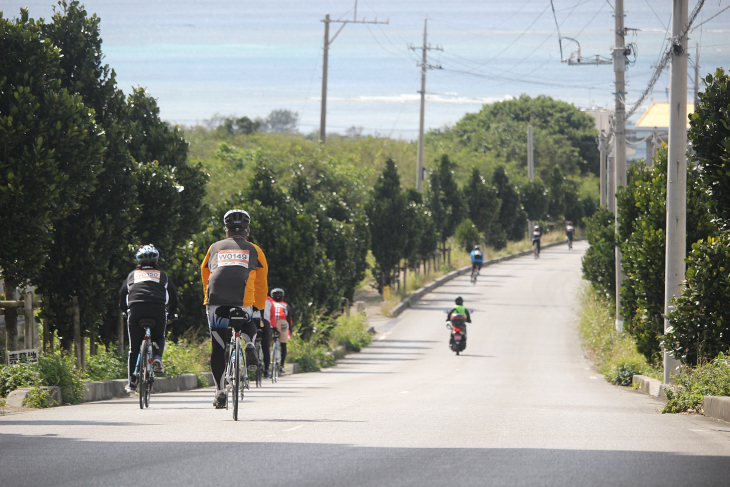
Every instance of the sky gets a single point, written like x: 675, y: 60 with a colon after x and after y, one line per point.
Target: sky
x: 200, y: 58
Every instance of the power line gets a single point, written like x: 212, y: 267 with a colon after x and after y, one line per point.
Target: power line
x: 674, y: 47
x: 705, y: 21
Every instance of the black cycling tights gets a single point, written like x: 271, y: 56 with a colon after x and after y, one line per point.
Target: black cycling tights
x: 136, y: 312
x: 265, y: 334
x: 221, y: 337
x: 283, y: 353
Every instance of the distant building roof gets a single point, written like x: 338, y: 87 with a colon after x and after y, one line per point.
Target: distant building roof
x: 658, y: 115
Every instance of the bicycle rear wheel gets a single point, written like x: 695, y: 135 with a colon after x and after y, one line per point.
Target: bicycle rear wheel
x: 150, y: 376
x: 236, y: 377
x: 141, y: 375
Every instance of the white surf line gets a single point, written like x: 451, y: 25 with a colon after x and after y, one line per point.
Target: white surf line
x: 295, y: 428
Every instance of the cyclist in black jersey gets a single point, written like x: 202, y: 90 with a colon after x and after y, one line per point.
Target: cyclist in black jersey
x: 145, y: 294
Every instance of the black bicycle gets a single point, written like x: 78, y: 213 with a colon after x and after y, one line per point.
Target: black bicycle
x: 144, y: 371
x: 235, y: 375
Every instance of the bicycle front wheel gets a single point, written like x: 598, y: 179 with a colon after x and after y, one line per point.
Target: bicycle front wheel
x: 236, y: 377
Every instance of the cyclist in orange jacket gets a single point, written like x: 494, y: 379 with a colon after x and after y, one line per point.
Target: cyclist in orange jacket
x: 234, y: 274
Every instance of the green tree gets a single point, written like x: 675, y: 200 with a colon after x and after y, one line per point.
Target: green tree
x: 445, y: 199
x: 535, y: 201
x: 563, y: 135
x: 599, y: 261
x: 710, y: 135
x: 483, y: 206
x: 388, y: 216
x: 467, y: 235
x: 642, y: 239
x: 512, y: 217
x: 90, y: 247
x: 51, y: 149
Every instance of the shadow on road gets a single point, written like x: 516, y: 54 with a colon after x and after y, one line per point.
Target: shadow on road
x: 64, y: 461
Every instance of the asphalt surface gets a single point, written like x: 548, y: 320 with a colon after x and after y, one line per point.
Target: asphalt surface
x: 521, y: 406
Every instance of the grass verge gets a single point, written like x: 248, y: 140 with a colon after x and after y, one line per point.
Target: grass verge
x: 318, y: 349
x: 692, y: 384
x: 615, y: 354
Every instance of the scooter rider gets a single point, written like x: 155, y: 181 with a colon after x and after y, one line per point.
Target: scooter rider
x: 234, y: 274
x: 459, y: 309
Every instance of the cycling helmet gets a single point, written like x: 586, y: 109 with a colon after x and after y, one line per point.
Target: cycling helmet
x: 277, y: 294
x: 236, y: 220
x: 147, y: 254
x: 476, y: 247
x: 459, y: 301
x: 537, y: 227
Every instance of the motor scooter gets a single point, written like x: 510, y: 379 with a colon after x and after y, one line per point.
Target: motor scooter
x: 457, y: 340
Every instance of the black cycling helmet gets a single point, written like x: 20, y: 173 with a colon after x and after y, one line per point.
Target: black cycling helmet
x: 277, y: 294
x: 236, y: 220
x: 459, y: 301
x: 147, y: 255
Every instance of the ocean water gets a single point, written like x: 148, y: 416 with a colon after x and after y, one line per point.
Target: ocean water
x: 205, y: 57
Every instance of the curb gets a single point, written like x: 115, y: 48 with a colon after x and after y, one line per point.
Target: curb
x: 419, y: 293
x: 108, y: 389
x: 717, y: 407
x: 18, y: 397
x: 647, y: 385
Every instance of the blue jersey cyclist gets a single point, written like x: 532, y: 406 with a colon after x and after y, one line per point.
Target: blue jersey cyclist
x: 477, y: 259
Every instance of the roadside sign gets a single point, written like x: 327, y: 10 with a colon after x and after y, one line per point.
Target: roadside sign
x: 18, y: 356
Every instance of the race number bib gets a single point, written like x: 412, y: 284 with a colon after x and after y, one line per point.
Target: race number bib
x: 146, y: 275
x: 233, y: 257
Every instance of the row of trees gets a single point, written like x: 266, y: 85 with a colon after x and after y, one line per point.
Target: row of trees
x: 86, y: 171
x: 701, y: 321
x: 406, y: 228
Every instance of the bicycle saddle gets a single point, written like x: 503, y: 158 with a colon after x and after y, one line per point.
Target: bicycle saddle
x: 147, y: 323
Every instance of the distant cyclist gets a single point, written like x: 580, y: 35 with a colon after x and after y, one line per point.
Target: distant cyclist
x: 278, y: 314
x: 144, y: 294
x: 234, y: 274
x: 536, y: 235
x: 477, y: 259
x: 569, y: 231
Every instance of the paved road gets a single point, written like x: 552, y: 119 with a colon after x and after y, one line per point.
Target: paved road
x: 521, y: 406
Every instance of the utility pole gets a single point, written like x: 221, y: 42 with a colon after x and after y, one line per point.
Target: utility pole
x: 676, y: 174
x: 530, y: 169
x: 602, y: 149
x: 697, y: 76
x: 325, y: 59
x: 424, y: 67
x: 619, y: 68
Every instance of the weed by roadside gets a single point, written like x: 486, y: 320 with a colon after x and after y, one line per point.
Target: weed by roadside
x: 693, y: 383
x: 615, y: 354
x: 105, y: 365
x: 314, y: 352
x: 52, y: 369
